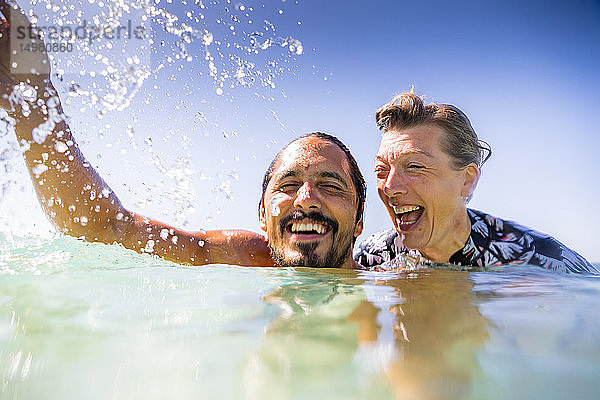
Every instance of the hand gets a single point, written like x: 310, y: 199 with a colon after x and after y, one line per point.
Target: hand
x: 18, y: 65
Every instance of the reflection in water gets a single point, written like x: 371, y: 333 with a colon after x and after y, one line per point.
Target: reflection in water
x: 312, y: 341
x: 410, y: 335
x: 437, y: 329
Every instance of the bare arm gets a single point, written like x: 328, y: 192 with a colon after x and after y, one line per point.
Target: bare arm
x: 77, y: 200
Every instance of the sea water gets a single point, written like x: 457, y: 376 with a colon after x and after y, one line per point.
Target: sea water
x: 94, y: 321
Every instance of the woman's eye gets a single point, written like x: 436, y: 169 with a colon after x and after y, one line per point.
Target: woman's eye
x: 415, y: 166
x: 381, y: 172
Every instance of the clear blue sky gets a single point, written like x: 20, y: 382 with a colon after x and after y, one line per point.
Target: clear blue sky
x: 525, y: 72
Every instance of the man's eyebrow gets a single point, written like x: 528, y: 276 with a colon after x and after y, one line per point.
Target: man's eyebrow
x: 290, y: 173
x: 323, y: 174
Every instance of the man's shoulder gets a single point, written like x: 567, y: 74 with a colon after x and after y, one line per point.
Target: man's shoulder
x: 378, y: 248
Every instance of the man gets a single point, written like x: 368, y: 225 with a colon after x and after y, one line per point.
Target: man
x: 312, y: 203
x: 427, y: 168
x: 311, y: 208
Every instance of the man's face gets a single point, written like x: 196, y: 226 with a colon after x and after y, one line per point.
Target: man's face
x: 423, y: 193
x: 309, y: 208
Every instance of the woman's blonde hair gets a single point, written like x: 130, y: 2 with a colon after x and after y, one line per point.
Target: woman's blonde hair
x: 407, y: 110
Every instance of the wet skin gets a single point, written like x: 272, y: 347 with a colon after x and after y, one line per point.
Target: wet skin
x: 310, y: 205
x: 414, y: 172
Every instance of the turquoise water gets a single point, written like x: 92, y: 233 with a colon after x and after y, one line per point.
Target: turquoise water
x: 90, y: 321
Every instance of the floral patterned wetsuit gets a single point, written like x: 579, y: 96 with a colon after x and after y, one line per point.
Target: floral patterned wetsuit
x: 492, y: 242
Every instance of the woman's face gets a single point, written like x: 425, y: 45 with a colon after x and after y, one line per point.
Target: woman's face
x: 422, y: 191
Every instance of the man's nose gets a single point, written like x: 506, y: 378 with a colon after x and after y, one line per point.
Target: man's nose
x: 307, y: 197
x: 395, y: 184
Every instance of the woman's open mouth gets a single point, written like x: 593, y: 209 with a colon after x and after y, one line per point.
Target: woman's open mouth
x: 408, y: 217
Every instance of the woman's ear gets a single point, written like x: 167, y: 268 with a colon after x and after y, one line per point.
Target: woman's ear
x: 471, y: 175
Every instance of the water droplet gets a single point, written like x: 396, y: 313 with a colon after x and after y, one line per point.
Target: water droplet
x: 149, y: 246
x: 164, y: 234
x: 207, y: 38
x: 275, y: 210
x: 60, y: 147
x: 39, y: 169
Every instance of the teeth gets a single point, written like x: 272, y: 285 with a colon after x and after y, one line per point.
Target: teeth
x: 405, y: 209
x: 304, y: 227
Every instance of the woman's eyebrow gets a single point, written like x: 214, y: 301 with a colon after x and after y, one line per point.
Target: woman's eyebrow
x: 381, y: 158
x: 419, y: 152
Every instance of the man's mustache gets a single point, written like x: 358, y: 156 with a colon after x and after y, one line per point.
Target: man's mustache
x: 315, y: 216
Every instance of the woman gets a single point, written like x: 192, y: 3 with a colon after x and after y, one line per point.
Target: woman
x: 427, y: 168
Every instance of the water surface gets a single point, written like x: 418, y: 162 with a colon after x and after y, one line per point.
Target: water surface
x: 80, y: 320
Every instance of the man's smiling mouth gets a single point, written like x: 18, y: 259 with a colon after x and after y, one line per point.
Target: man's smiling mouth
x: 408, y: 216
x: 308, y: 225
x: 307, y: 228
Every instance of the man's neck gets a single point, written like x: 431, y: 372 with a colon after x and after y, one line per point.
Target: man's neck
x: 350, y: 263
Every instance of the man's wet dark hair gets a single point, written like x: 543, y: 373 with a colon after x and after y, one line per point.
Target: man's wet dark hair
x: 357, y: 178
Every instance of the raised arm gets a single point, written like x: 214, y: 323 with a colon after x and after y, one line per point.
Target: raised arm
x: 75, y: 198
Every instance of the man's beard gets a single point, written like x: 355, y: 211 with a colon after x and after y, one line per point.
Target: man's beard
x: 336, y: 256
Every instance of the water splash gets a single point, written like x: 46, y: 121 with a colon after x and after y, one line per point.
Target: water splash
x: 232, y: 46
